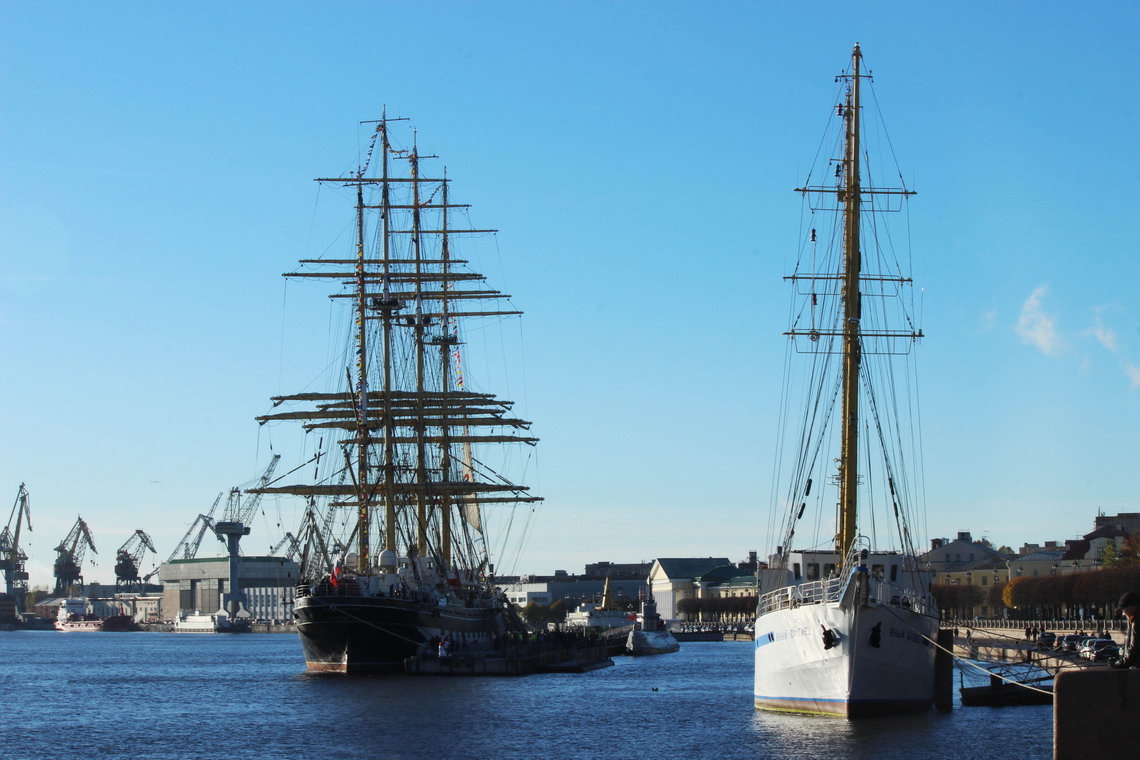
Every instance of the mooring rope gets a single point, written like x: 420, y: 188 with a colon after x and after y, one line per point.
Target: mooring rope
x: 965, y: 660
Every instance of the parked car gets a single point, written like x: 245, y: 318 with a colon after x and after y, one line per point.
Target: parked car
x: 1106, y: 652
x: 1069, y: 642
x: 1046, y: 640
x: 1089, y: 648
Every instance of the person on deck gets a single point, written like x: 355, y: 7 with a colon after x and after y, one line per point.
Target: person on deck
x: 1129, y: 653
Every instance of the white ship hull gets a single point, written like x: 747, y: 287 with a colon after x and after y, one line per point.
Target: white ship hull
x: 879, y: 663
x: 640, y: 643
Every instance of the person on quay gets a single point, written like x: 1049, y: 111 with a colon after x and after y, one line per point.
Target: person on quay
x: 1129, y: 652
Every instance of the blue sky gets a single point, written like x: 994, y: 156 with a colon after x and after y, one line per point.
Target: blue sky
x: 638, y: 159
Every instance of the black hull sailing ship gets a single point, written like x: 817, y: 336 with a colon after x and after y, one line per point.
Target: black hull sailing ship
x: 395, y: 560
x: 360, y: 633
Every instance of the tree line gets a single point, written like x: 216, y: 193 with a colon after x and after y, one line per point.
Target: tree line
x: 718, y: 608
x: 1051, y: 596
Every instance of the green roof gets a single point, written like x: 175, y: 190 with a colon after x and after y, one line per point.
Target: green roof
x: 690, y: 567
x: 244, y: 560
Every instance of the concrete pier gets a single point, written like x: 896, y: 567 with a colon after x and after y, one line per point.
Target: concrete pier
x: 1096, y: 714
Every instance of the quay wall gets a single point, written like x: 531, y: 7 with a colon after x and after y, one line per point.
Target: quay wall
x: 1096, y: 714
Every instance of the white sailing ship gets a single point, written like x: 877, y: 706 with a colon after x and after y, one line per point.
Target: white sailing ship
x: 845, y: 627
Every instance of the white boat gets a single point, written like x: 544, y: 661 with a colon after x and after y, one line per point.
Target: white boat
x: 218, y: 622
x: 845, y: 626
x: 75, y: 616
x: 600, y: 616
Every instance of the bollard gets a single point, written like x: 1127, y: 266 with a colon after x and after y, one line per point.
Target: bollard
x: 944, y: 671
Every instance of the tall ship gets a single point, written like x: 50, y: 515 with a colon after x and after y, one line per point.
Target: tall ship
x: 411, y: 465
x: 845, y: 620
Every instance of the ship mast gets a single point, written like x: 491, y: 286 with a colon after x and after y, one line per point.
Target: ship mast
x: 420, y: 431
x: 362, y: 434
x: 388, y: 306
x: 400, y: 449
x: 446, y: 341
x: 852, y: 311
x: 852, y: 337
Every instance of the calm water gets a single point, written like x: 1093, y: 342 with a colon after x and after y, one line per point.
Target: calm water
x: 182, y: 696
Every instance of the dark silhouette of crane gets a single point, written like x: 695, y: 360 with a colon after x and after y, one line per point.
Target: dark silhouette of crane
x: 12, y: 557
x: 69, y: 557
x: 129, y: 556
x: 187, y: 548
x: 287, y: 540
x: 230, y: 529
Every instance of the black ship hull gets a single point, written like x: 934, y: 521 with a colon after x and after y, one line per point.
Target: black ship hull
x: 368, y: 634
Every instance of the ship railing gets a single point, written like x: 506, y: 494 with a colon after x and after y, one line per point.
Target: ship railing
x: 885, y: 592
x: 812, y: 592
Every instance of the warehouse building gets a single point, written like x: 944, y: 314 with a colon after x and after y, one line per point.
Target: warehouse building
x: 190, y: 585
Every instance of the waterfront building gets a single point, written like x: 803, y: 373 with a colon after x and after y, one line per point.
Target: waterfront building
x: 617, y: 571
x: 671, y: 579
x: 572, y: 590
x: 725, y: 594
x: 969, y: 572
x: 1129, y: 522
x: 947, y: 555
x: 199, y: 584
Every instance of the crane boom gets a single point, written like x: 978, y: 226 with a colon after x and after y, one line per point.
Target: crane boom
x: 242, y: 511
x: 129, y: 557
x: 12, y: 557
x: 183, y: 550
x: 69, y: 556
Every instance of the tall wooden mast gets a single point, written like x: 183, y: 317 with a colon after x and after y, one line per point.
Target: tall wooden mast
x: 362, y: 435
x: 419, y: 328
x: 446, y: 342
x: 852, y: 312
x: 388, y: 306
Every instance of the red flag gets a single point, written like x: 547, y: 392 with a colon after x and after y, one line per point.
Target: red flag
x: 335, y: 576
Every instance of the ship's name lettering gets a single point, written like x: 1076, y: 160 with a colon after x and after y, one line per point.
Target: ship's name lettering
x: 905, y: 634
x: 791, y: 633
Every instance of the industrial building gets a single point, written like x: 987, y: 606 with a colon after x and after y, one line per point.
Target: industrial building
x: 199, y: 584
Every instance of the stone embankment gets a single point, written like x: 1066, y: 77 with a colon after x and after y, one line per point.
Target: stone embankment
x: 1006, y: 645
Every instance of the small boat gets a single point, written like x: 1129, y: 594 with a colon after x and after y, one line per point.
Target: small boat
x: 1005, y: 695
x: 218, y: 622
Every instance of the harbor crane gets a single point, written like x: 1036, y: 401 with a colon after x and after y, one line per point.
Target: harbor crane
x: 129, y: 556
x: 287, y: 540
x: 187, y: 548
x: 12, y: 557
x: 69, y: 557
x: 230, y: 529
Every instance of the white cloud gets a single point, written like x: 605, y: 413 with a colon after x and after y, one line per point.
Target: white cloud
x: 1133, y: 373
x: 989, y: 320
x: 1037, y: 328
x: 1106, y: 336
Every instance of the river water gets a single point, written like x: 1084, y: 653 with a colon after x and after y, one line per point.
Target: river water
x: 156, y: 696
